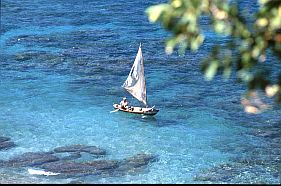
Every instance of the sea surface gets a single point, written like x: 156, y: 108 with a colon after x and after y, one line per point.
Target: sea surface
x: 61, y: 69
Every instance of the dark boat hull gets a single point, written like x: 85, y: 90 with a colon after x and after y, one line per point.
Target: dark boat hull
x: 137, y: 110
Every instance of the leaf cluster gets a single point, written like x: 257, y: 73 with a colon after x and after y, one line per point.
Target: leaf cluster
x: 248, y: 47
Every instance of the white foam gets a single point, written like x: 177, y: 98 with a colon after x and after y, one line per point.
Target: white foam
x: 41, y: 172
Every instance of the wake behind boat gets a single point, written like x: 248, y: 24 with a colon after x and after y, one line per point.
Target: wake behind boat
x: 135, y: 84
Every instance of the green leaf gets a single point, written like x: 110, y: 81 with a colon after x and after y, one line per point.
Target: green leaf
x: 154, y: 12
x: 211, y: 70
x: 219, y: 26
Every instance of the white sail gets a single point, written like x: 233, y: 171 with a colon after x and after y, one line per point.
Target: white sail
x: 135, y: 82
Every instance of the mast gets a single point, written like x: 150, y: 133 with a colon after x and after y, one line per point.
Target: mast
x: 135, y: 83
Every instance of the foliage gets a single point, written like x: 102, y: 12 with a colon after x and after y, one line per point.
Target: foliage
x: 245, y: 51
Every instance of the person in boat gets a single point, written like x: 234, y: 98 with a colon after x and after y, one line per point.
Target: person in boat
x: 124, y: 103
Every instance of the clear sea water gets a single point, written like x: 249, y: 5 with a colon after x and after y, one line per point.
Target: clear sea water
x: 62, y: 66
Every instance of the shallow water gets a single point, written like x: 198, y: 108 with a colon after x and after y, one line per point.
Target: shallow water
x: 62, y: 66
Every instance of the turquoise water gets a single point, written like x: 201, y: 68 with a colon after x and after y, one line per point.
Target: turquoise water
x: 62, y: 66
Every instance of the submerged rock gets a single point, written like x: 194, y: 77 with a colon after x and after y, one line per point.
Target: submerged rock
x: 23, y: 56
x: 69, y: 168
x: 221, y: 173
x: 133, y: 165
x: 103, y: 164
x: 76, y: 182
x: 139, y: 160
x: 247, y: 170
x: 5, y: 143
x: 268, y: 134
x: 71, y: 156
x: 81, y: 148
x: 103, y: 168
x: 31, y: 159
x: 60, y: 160
x: 3, y: 139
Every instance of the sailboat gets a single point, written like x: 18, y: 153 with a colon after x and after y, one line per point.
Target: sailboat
x: 135, y: 84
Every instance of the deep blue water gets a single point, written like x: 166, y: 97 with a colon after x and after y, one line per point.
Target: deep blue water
x: 62, y: 66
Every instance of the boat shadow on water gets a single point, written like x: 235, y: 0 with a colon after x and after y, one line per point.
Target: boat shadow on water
x: 150, y: 120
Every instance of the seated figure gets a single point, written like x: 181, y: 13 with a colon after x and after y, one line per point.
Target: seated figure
x: 124, y: 103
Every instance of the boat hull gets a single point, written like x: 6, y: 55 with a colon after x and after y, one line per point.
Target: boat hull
x: 137, y: 110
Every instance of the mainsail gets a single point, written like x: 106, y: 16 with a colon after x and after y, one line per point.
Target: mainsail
x: 135, y: 82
